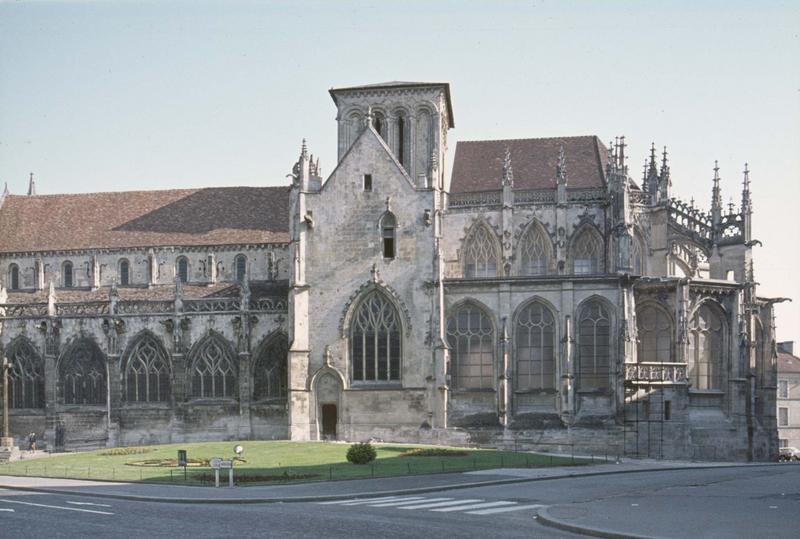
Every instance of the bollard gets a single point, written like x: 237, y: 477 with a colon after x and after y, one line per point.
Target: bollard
x: 230, y: 477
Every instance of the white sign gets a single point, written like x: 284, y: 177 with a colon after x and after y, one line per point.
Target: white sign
x: 215, y: 463
x: 226, y: 464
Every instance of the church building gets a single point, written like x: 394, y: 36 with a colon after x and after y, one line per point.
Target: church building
x: 536, y: 296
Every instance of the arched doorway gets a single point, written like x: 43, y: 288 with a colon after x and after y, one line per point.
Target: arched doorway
x: 328, y: 390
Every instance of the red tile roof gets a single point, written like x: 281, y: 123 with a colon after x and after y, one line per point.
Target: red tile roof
x: 788, y: 362
x: 185, y: 217
x: 478, y: 165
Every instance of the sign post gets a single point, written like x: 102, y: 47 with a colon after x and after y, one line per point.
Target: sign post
x: 229, y: 465
x: 215, y: 463
x: 182, y: 461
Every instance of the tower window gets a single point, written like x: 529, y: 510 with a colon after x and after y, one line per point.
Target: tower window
x: 241, y: 268
x: 388, y: 226
x: 401, y: 139
x: 367, y: 182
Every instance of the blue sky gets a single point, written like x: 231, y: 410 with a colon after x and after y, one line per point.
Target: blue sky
x: 98, y: 96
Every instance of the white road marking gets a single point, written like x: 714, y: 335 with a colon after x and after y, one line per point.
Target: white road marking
x: 6, y: 510
x: 440, y: 504
x: 57, y: 507
x: 408, y: 502
x: 360, y: 500
x: 504, y: 509
x: 472, y: 506
x: 369, y: 502
x: 90, y: 503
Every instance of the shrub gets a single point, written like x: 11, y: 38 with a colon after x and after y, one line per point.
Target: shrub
x: 361, y: 453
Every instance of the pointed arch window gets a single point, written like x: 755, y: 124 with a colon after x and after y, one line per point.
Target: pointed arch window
x: 82, y: 375
x: 655, y: 335
x: 25, y: 377
x: 587, y: 253
x: 13, y: 277
x: 270, y: 371
x: 241, y: 268
x: 594, y: 346
x: 375, y: 348
x: 213, y: 370
x: 706, y: 350
x: 67, y: 274
x: 182, y: 269
x: 535, y: 251
x: 471, y: 338
x: 124, y: 272
x: 147, y: 373
x: 401, y: 139
x: 480, y: 253
x: 535, y: 337
x: 388, y: 234
x: 379, y: 123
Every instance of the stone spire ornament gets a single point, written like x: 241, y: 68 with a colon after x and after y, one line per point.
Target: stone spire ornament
x: 716, y: 198
x: 561, y: 167
x: 508, y: 171
x: 31, y: 186
x: 5, y: 191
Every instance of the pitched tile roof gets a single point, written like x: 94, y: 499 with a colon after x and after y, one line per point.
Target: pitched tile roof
x: 788, y: 362
x: 478, y: 164
x: 212, y: 216
x: 258, y: 289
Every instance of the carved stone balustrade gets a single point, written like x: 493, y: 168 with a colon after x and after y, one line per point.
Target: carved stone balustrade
x: 655, y: 373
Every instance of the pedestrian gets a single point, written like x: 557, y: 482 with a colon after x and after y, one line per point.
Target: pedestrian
x: 32, y: 441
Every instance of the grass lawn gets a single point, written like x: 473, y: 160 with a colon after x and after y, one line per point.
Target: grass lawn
x: 267, y: 462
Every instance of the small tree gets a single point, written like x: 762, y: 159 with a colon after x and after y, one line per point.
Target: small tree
x: 361, y: 453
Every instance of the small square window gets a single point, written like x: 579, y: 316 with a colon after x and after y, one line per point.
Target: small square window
x: 367, y: 182
x: 783, y: 417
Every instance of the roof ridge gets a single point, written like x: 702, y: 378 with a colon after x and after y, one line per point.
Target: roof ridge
x: 529, y: 138
x: 179, y: 190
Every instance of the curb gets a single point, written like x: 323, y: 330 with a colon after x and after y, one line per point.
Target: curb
x: 360, y: 495
x: 544, y: 518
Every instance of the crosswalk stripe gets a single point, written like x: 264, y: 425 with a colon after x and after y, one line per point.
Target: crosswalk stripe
x: 398, y: 499
x: 408, y: 502
x: 440, y: 504
x: 360, y: 500
x: 504, y: 509
x: 472, y: 506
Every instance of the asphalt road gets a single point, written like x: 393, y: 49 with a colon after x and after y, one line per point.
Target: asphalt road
x: 736, y: 502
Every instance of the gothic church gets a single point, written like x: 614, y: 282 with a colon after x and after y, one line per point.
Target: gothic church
x: 537, y: 296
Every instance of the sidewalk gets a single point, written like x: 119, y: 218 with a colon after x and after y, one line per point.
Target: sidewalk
x: 333, y: 490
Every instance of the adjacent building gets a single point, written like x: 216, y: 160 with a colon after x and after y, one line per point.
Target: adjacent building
x: 537, y: 296
x: 788, y: 396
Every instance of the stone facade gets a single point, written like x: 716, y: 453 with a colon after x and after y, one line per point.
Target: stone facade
x: 788, y: 403
x: 536, y: 297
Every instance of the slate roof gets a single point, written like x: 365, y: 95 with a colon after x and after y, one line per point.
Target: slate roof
x: 478, y: 165
x: 184, y: 217
x: 788, y: 363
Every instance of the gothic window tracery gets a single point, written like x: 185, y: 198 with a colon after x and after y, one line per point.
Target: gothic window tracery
x: 147, y: 373
x: 470, y: 336
x: 241, y: 268
x: 213, y: 369
x: 480, y: 253
x: 706, y: 348
x: 25, y: 376
x: 124, y: 272
x: 82, y: 375
x: 594, y: 346
x: 270, y: 371
x: 587, y: 253
x: 182, y: 269
x: 654, y: 328
x: 535, y: 348
x: 535, y: 251
x: 66, y: 272
x: 375, y: 348
x: 13, y: 277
